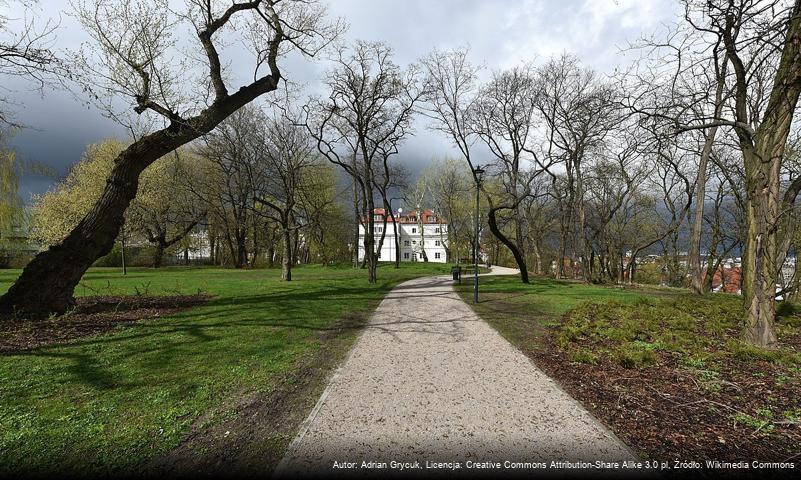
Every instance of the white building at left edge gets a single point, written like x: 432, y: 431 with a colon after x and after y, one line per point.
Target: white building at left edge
x: 420, y: 235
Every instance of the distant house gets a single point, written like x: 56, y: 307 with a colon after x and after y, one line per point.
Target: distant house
x: 727, y: 280
x: 420, y: 235
x: 16, y: 247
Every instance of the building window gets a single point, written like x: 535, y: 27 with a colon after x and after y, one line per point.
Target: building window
x: 412, y: 219
x: 406, y: 256
x: 436, y: 230
x: 437, y: 255
x: 437, y: 243
x: 414, y: 230
x: 379, y: 229
x: 414, y: 242
x: 405, y: 243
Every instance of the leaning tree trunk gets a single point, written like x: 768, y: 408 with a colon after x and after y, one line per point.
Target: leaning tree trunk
x: 519, y: 258
x: 48, y: 282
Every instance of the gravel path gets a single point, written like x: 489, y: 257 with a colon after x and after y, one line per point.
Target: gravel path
x: 428, y: 380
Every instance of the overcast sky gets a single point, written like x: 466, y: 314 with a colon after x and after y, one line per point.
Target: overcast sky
x: 500, y: 33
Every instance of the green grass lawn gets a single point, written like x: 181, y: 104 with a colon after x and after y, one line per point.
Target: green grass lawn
x: 628, y: 323
x: 104, y: 403
x: 505, y: 302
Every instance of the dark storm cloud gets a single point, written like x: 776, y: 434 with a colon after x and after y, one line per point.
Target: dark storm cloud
x: 500, y: 33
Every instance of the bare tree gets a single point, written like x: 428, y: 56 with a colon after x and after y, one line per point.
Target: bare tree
x: 760, y: 41
x: 504, y: 120
x: 366, y: 116
x: 25, y: 49
x: 289, y: 186
x: 578, y: 112
x: 133, y: 56
x: 229, y: 178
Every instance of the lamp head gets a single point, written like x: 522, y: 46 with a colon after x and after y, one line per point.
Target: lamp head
x: 479, y: 172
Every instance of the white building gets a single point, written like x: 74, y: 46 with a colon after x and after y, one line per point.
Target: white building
x: 419, y: 237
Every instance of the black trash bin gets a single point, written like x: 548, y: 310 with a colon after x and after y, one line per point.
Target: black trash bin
x: 457, y: 274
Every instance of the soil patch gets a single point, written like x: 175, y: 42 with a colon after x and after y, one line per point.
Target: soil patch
x: 740, y: 410
x: 747, y: 411
x: 91, y: 315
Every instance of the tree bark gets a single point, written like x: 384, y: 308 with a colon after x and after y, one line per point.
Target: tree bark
x: 356, y: 222
x: 519, y: 258
x: 286, y: 264
x: 694, y: 260
x: 158, y: 255
x: 763, y: 154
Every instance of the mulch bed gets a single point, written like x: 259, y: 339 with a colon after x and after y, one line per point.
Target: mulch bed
x: 671, y: 412
x: 92, y: 315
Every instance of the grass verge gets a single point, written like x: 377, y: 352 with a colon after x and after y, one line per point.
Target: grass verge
x: 119, y: 401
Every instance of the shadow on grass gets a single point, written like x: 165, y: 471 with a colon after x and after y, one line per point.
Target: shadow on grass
x: 176, y: 338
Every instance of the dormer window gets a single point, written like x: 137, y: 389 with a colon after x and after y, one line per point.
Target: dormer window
x: 414, y: 230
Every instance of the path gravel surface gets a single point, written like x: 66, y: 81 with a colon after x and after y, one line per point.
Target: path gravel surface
x: 429, y: 381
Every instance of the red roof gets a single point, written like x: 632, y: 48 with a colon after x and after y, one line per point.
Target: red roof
x: 429, y: 217
x: 731, y: 278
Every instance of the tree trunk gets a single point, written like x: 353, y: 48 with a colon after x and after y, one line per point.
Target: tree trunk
x: 396, y: 231
x: 694, y: 260
x: 212, y: 248
x: 537, y: 258
x: 296, y: 247
x: 241, y: 258
x: 271, y: 256
x: 356, y: 222
x: 158, y: 254
x: 47, y: 283
x: 286, y: 264
x: 519, y: 259
x: 759, y: 273
x: 763, y: 155
x: 369, y: 238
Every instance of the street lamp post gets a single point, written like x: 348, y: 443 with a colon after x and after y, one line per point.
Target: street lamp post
x: 124, y: 266
x: 478, y: 173
x: 396, y: 230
